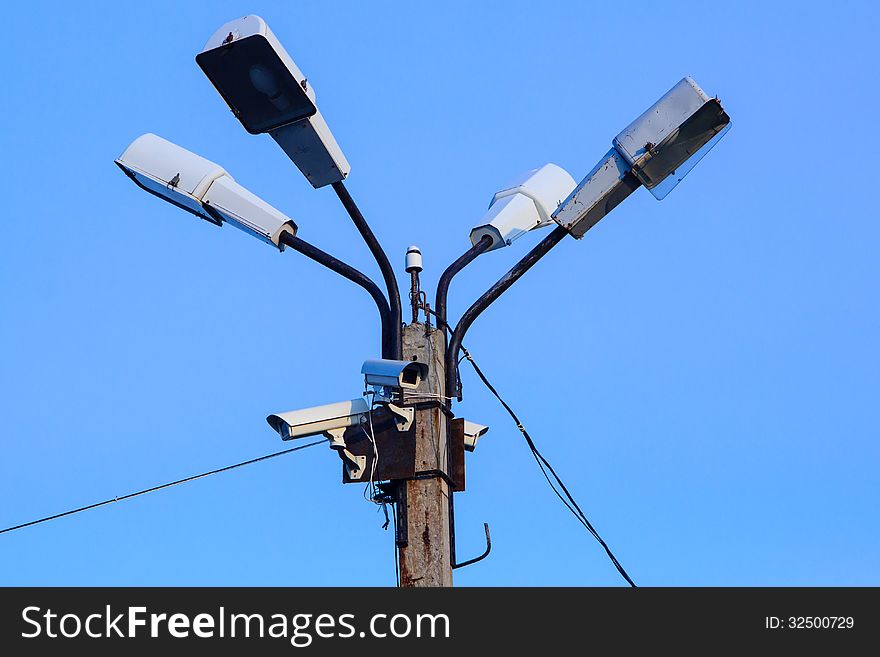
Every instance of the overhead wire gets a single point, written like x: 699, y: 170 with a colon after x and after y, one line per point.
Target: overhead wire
x: 161, y: 487
x: 371, y: 436
x: 544, y: 465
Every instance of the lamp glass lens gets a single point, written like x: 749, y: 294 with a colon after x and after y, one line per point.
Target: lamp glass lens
x: 259, y: 89
x: 671, y: 160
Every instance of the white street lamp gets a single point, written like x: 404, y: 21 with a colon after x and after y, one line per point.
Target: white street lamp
x: 267, y: 92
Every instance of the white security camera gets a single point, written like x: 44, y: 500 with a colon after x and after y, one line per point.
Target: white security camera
x: 472, y: 433
x: 201, y: 187
x: 319, y: 420
x: 527, y: 203
x: 267, y: 92
x: 396, y: 374
x: 329, y: 420
x: 656, y: 150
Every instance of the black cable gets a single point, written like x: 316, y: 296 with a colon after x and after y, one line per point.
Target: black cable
x: 542, y: 462
x: 155, y: 488
x: 570, y: 503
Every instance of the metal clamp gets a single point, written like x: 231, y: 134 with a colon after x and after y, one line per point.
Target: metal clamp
x: 403, y: 416
x: 354, y: 465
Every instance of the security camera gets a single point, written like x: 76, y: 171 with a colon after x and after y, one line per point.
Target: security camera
x: 319, y: 420
x: 267, y: 92
x: 472, y: 433
x: 331, y: 421
x: 527, y: 203
x: 201, y: 187
x: 396, y: 374
x: 656, y: 150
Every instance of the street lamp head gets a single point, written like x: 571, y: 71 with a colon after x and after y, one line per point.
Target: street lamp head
x: 201, y: 187
x: 267, y: 92
x: 679, y: 128
x: 656, y: 150
x: 525, y: 204
x: 259, y: 81
x: 170, y: 172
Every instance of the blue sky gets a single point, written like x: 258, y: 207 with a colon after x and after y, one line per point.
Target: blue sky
x: 703, y: 371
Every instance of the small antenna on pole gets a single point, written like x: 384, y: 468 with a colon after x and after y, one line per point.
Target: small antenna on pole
x: 413, y: 267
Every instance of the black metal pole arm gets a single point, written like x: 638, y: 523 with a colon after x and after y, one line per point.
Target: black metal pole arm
x: 381, y: 259
x: 354, y: 276
x: 486, y: 300
x: 443, y: 285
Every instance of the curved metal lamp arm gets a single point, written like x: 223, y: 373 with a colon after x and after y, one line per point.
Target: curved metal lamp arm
x: 443, y: 285
x: 354, y: 276
x: 485, y: 301
x: 384, y: 266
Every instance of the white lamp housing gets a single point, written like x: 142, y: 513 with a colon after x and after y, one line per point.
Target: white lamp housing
x: 171, y: 173
x: 527, y: 203
x: 201, y: 187
x: 267, y: 92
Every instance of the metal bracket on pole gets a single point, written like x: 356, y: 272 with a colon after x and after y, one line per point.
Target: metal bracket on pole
x: 403, y: 416
x: 354, y: 465
x: 479, y: 558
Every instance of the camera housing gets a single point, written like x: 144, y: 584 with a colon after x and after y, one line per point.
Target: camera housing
x: 472, y: 433
x: 395, y: 374
x: 327, y: 419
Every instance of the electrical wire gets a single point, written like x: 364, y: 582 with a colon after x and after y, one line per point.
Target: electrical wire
x: 156, y: 488
x: 544, y: 465
x: 371, y: 436
x: 425, y: 395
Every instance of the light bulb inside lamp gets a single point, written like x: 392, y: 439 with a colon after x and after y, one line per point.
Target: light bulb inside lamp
x: 264, y: 82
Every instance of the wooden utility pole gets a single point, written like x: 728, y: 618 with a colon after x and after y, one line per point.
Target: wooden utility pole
x: 425, y: 560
